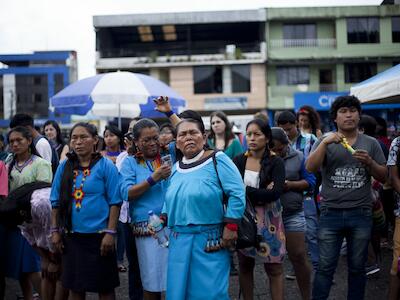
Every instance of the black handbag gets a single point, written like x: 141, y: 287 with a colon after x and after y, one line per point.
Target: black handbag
x: 247, y: 231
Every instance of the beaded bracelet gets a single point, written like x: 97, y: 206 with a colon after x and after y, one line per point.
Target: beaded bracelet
x: 169, y: 113
x: 150, y: 181
x: 110, y: 231
x: 54, y: 229
x: 232, y: 226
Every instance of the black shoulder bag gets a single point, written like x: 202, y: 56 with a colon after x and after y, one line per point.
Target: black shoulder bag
x: 247, y: 232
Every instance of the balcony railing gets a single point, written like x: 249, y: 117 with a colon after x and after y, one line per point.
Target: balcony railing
x: 304, y: 43
x: 289, y: 90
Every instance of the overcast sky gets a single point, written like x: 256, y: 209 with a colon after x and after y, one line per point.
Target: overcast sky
x: 34, y: 25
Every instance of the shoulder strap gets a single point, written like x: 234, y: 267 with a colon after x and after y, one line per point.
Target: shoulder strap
x: 36, y: 139
x: 224, y: 196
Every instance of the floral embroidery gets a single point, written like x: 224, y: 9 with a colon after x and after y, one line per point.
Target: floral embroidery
x: 78, y: 193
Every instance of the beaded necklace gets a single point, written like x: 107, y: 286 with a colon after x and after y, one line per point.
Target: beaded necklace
x: 20, y: 168
x: 78, y: 193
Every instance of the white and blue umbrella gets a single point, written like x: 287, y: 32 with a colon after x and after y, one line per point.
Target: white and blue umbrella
x: 116, y: 94
x: 381, y: 88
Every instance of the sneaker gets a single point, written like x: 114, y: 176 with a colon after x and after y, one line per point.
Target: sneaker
x: 369, y: 270
x: 290, y: 276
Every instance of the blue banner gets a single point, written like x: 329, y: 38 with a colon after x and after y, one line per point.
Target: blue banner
x: 322, y: 101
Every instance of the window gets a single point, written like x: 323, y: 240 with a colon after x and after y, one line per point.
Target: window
x: 357, y: 72
x: 299, y: 31
x: 240, y: 78
x: 396, y: 29
x: 292, y: 75
x: 362, y: 30
x: 37, y: 98
x: 207, y: 79
x: 37, y: 80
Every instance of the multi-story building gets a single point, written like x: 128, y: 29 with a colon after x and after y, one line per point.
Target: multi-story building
x: 27, y: 81
x: 317, y: 53
x: 215, y: 60
x: 254, y: 59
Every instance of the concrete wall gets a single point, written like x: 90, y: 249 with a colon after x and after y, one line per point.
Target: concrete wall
x: 181, y: 80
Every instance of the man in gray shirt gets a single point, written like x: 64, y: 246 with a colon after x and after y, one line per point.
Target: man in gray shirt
x: 347, y: 160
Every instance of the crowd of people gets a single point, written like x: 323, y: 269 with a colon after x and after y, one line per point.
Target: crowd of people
x: 72, y: 209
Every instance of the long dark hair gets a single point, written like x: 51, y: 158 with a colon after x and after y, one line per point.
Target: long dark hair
x: 72, y: 164
x: 312, y: 115
x: 266, y: 158
x: 59, y: 137
x: 228, y: 134
x: 26, y: 133
x: 115, y: 130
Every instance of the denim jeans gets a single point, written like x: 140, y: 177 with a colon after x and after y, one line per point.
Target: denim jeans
x: 134, y: 281
x: 335, y: 224
x: 310, y: 212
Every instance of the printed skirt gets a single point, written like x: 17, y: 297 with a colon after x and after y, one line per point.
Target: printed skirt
x: 271, y: 229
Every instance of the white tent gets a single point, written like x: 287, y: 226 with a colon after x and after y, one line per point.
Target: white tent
x: 381, y: 88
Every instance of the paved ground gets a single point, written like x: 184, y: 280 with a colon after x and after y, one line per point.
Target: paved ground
x: 377, y: 286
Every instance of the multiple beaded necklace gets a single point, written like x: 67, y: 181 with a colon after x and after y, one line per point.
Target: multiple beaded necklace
x: 78, y: 193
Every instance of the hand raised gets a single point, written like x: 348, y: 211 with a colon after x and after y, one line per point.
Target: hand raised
x: 162, y: 104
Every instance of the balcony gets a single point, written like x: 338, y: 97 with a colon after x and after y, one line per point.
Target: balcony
x: 289, y: 90
x: 303, y: 43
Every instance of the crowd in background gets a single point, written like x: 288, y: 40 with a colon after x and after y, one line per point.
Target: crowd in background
x: 315, y: 195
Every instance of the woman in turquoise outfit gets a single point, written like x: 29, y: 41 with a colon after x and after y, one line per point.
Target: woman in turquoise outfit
x: 221, y: 136
x: 198, y: 262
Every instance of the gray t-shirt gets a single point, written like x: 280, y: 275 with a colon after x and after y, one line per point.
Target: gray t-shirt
x: 346, y: 182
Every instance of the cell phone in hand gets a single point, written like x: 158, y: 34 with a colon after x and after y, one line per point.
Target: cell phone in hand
x: 166, y: 160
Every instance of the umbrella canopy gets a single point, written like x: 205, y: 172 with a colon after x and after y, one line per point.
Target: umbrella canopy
x: 116, y: 94
x: 381, y: 88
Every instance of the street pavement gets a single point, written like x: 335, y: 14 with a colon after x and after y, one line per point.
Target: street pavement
x: 377, y: 285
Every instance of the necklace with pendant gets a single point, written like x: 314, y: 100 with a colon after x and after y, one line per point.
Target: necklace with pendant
x: 78, y: 193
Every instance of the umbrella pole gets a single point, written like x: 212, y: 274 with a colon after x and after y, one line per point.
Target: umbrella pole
x: 119, y: 116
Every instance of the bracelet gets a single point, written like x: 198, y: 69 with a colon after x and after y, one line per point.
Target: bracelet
x: 232, y: 226
x: 54, y: 229
x: 110, y: 231
x: 150, y: 181
x: 169, y: 113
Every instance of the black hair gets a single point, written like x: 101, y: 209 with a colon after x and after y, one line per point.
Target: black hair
x: 382, y: 123
x: 90, y: 128
x: 140, y: 125
x: 21, y: 120
x: 200, y: 126
x: 278, y: 134
x: 228, y: 134
x: 115, y: 130
x: 286, y: 117
x: 344, y: 101
x: 59, y: 138
x: 313, y: 116
x: 368, y: 124
x: 26, y: 133
x: 170, y: 127
x: 265, y: 160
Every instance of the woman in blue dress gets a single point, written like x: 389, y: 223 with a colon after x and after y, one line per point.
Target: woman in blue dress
x: 144, y: 186
x: 85, y: 201
x: 198, y: 263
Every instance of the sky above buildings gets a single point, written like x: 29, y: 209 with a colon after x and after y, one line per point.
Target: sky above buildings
x: 27, y: 26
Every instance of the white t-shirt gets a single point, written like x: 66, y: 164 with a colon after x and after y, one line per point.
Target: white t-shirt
x: 43, y: 148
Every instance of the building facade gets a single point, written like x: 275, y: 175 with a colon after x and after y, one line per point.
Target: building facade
x: 27, y: 81
x: 254, y: 59
x: 215, y: 60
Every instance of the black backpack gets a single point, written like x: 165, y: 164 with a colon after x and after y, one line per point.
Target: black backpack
x: 54, y: 155
x: 16, y: 207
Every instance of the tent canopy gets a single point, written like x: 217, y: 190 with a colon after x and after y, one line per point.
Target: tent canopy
x: 381, y: 88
